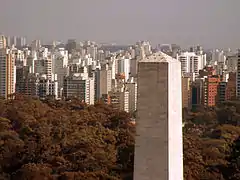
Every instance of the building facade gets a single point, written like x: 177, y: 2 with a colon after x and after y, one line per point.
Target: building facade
x: 186, y: 91
x: 75, y: 86
x: 132, y: 89
x: 222, y: 93
x: 191, y: 62
x: 231, y: 87
x: 3, y: 42
x: 211, y: 86
x: 7, y: 73
x: 103, y: 82
x: 159, y: 119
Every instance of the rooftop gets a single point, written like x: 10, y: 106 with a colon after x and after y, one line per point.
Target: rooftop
x: 159, y: 57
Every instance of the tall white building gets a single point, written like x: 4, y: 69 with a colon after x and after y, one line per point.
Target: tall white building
x: 147, y: 48
x: 92, y: 50
x: 124, y: 67
x: 20, y: 42
x: 113, y: 65
x: 158, y: 147
x: 191, y: 62
x: 218, y: 56
x: 20, y: 59
x: 14, y: 41
x: 59, y: 67
x: 36, y: 44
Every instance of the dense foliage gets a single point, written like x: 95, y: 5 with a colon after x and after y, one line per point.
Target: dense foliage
x: 64, y: 140
x: 67, y: 140
x: 212, y: 143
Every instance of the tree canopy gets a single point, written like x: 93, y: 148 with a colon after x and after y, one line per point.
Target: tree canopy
x: 64, y: 140
x: 68, y: 140
x: 211, y: 144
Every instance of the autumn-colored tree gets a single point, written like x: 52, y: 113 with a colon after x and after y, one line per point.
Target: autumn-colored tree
x: 209, y: 139
x: 68, y: 140
x: 64, y: 139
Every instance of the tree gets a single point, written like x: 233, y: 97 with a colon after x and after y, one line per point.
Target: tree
x: 60, y: 139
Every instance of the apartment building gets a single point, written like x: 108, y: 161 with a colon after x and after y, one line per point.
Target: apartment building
x: 7, y: 73
x: 119, y: 100
x: 191, y: 62
x: 3, y: 42
x: 75, y: 86
x: 211, y: 85
x: 103, y: 81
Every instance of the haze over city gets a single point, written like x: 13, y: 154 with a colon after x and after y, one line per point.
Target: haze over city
x: 213, y: 24
x: 119, y: 90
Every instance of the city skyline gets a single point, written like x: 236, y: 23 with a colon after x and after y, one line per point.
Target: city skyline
x: 215, y: 25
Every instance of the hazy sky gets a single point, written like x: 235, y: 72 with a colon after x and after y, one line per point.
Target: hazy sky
x: 212, y: 23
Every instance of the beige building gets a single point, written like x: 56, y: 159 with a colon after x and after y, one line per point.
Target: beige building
x: 119, y: 100
x: 159, y: 147
x: 7, y: 73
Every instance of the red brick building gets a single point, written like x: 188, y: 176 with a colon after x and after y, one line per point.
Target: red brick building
x: 211, y: 90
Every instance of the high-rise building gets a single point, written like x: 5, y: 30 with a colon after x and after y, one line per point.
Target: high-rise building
x: 198, y: 94
x: 7, y: 73
x: 124, y: 67
x: 159, y: 119
x: 218, y: 56
x: 14, y: 40
x: 133, y: 67
x: 113, y: 66
x: 36, y: 44
x: 119, y: 100
x: 21, y: 42
x: 191, y: 62
x: 131, y: 86
x: 211, y: 85
x: 71, y: 45
x: 221, y: 96
x: 47, y: 87
x: 231, y: 87
x: 232, y: 62
x: 92, y: 50
x: 44, y: 66
x: 9, y: 41
x: 26, y: 82
x: 186, y: 91
x: 36, y: 85
x: 75, y: 86
x: 3, y: 42
x: 103, y: 82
